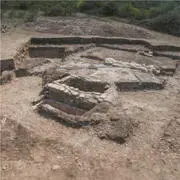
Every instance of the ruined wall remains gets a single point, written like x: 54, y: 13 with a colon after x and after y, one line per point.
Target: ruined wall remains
x: 101, y: 40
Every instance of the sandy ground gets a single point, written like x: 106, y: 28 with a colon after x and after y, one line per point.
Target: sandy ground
x: 38, y: 148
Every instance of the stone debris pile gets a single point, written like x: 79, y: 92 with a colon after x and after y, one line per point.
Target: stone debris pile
x: 132, y: 65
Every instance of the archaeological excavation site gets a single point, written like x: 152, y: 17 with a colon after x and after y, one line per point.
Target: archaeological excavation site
x: 82, y: 106
x: 83, y: 78
x: 90, y: 90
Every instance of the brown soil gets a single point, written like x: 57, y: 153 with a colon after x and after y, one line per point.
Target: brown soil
x: 37, y: 148
x: 86, y: 26
x: 170, y: 137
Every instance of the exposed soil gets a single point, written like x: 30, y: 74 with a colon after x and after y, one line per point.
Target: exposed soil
x: 170, y: 137
x: 38, y: 147
x: 86, y: 26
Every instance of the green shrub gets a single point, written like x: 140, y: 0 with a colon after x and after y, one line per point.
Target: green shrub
x: 109, y: 8
x: 129, y: 11
x: 80, y: 4
x: 30, y: 17
x: 59, y: 8
x: 168, y: 23
x: 11, y: 14
x: 132, y: 11
x: 163, y: 8
x: 89, y: 6
x: 54, y: 11
x: 20, y: 14
x: 23, y: 5
x: 157, y: 15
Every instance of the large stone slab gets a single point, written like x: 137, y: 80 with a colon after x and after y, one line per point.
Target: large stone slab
x: 148, y: 81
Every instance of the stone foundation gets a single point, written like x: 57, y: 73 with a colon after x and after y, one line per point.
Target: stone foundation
x: 101, y: 40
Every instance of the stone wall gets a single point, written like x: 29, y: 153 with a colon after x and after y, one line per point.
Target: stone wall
x: 101, y: 40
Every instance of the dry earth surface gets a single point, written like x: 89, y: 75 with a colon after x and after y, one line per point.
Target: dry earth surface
x: 36, y: 148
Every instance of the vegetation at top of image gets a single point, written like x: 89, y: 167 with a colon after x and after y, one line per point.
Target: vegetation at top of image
x: 163, y: 16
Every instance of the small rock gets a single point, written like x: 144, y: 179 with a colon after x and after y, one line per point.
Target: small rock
x: 96, y: 94
x: 109, y: 61
x: 4, y: 168
x: 6, y: 76
x: 103, y: 96
x: 114, y: 117
x: 92, y: 67
x: 66, y: 91
x: 100, y: 99
x: 81, y: 95
x: 55, y: 167
x: 61, y: 88
x: 58, y: 157
x: 75, y: 93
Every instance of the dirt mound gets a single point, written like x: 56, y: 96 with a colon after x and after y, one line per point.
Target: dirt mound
x: 113, y: 124
x: 87, y: 26
x: 6, y: 77
x: 170, y: 139
x: 117, y: 128
x: 17, y: 141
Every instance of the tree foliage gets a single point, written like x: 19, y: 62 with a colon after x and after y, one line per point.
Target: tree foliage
x: 158, y: 15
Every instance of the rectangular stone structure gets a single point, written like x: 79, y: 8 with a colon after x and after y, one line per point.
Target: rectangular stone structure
x: 66, y: 94
x: 127, y: 81
x: 148, y: 81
